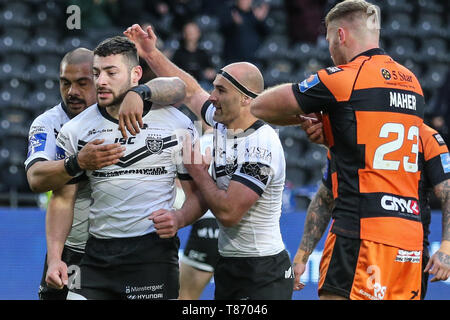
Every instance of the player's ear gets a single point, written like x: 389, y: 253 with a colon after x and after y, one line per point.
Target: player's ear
x: 136, y: 74
x: 245, y: 100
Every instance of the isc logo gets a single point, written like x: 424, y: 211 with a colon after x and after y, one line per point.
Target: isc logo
x: 125, y: 141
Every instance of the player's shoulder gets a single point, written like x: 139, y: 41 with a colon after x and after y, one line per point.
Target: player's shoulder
x: 51, y: 116
x: 175, y: 116
x: 430, y: 137
x: 84, y: 119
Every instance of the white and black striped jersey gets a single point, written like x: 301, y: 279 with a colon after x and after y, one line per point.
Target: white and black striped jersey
x: 42, y: 147
x: 255, y: 158
x: 206, y: 141
x: 126, y: 193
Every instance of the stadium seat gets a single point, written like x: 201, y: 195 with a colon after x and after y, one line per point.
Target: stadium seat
x: 15, y: 14
x: 14, y: 40
x: 434, y: 77
x: 13, y: 93
x: 430, y: 24
x: 207, y: 23
x: 403, y: 48
x: 46, y: 67
x: 212, y: 42
x: 398, y: 23
x: 274, y: 47
x: 433, y: 49
x: 434, y: 6
x: 14, y: 66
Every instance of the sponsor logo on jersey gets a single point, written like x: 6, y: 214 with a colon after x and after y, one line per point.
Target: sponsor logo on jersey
x: 36, y: 143
x: 392, y: 203
x: 331, y: 70
x: 386, y: 74
x: 439, y: 139
x: 60, y: 153
x: 258, y: 152
x: 309, y: 83
x: 408, y: 256
x: 445, y: 160
x: 154, y: 145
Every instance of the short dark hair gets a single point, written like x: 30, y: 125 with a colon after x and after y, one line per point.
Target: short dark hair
x: 118, y: 45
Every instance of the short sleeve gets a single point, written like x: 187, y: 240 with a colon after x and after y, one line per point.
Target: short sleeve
x: 207, y: 113
x: 65, y: 144
x: 182, y: 172
x: 41, y: 142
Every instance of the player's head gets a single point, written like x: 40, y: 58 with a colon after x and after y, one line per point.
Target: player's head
x: 116, y: 69
x: 76, y: 83
x: 235, y: 86
x: 352, y: 27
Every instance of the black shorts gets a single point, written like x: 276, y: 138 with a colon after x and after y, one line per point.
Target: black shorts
x: 137, y: 268
x: 254, y: 278
x: 71, y: 258
x: 201, y: 250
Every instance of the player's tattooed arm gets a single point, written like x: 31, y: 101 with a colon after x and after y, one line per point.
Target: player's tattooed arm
x: 442, y: 192
x: 317, y: 219
x: 167, y: 90
x: 439, y: 263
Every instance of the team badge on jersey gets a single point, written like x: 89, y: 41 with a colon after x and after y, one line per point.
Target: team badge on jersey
x: 445, y: 159
x: 309, y: 83
x: 154, y: 145
x: 386, y: 74
x: 36, y: 143
x: 439, y: 139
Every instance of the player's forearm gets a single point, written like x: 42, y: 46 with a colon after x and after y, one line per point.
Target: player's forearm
x: 47, y: 175
x: 163, y: 67
x: 193, y: 208
x: 317, y: 218
x: 216, y: 199
x: 59, y: 220
x: 276, y: 105
x: 442, y: 192
x: 167, y: 90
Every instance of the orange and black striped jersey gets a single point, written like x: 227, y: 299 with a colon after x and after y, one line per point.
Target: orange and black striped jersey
x: 435, y: 158
x: 373, y: 111
x: 434, y: 166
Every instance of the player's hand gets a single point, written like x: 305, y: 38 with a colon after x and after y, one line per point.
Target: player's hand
x: 193, y: 160
x: 166, y: 222
x: 130, y: 114
x: 313, y: 126
x: 439, y: 264
x: 144, y: 40
x: 299, y: 269
x: 95, y: 155
x: 56, y: 276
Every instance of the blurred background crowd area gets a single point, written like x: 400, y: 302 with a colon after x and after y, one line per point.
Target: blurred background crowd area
x: 285, y: 38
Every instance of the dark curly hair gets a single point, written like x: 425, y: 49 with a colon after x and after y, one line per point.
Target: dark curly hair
x: 118, y: 45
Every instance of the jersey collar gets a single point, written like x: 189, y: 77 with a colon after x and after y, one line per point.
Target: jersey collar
x: 370, y: 52
x: 255, y: 126
x: 106, y: 115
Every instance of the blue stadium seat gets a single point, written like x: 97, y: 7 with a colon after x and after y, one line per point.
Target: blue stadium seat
x: 207, y: 23
x: 14, y: 66
x: 15, y: 14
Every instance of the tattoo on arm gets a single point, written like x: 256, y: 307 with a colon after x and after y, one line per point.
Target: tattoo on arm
x: 166, y: 91
x: 442, y: 192
x: 443, y: 258
x: 317, y: 218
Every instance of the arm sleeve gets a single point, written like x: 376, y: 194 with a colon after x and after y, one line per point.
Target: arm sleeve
x: 41, y: 142
x: 312, y: 95
x: 207, y: 112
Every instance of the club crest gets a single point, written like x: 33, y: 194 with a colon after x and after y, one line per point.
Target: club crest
x: 154, y: 145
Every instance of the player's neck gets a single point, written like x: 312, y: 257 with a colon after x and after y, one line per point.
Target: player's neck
x: 113, y: 111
